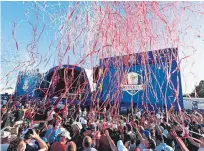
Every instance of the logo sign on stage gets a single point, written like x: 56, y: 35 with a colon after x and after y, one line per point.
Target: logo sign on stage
x: 25, y: 85
x: 133, y: 83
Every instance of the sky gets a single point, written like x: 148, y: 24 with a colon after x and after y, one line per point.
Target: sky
x: 15, y: 16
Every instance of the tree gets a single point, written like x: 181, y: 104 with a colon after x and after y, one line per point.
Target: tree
x: 185, y: 95
x: 199, y: 90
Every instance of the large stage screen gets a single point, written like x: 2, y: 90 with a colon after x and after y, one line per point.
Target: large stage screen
x: 150, y: 80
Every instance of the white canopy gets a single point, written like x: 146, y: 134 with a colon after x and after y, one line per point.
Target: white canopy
x: 7, y: 90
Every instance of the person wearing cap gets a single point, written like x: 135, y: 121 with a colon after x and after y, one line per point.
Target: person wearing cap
x: 61, y: 145
x: 77, y: 136
x: 87, y: 143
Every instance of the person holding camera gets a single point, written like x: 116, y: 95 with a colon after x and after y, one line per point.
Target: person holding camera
x: 29, y: 136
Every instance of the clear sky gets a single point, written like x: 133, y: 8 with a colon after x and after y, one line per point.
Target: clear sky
x: 51, y: 15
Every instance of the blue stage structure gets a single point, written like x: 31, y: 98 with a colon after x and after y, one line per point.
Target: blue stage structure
x: 149, y: 80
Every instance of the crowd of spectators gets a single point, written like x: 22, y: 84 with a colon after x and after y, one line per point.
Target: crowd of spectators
x: 33, y: 125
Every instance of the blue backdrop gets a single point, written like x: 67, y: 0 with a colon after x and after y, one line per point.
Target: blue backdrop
x: 27, y: 84
x: 159, y: 80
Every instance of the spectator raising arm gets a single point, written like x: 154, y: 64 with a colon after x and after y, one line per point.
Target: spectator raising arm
x: 179, y: 141
x: 112, y: 145
x: 139, y: 134
x: 42, y: 144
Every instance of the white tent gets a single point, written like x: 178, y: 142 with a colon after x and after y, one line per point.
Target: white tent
x: 7, y: 90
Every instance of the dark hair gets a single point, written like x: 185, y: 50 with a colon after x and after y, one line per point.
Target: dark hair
x: 42, y: 125
x: 54, y: 123
x: 115, y: 136
x: 175, y: 123
x: 129, y: 127
x: 132, y: 141
x: 152, y: 132
x: 28, y: 134
x: 152, y: 144
x: 160, y: 138
x: 165, y: 120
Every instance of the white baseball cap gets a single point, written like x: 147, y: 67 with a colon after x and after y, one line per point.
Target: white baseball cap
x: 66, y: 134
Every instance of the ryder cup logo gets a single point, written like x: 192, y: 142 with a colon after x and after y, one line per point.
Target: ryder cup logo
x: 133, y: 83
x: 25, y: 85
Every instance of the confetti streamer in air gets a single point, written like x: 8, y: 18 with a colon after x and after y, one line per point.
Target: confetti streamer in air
x: 81, y: 33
